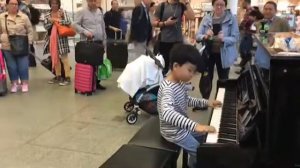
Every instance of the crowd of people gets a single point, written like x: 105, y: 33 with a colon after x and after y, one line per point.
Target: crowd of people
x: 219, y: 31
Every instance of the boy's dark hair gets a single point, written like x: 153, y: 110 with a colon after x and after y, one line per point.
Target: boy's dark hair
x: 183, y: 53
x: 213, y: 2
x: 58, y: 1
x: 271, y: 3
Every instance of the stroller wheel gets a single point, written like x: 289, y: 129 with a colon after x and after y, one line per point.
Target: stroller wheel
x: 131, y: 118
x: 128, y: 106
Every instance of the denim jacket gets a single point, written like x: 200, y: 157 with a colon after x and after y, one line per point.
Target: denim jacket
x: 230, y: 29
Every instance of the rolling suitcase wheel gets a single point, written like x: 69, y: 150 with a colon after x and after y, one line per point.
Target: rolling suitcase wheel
x: 131, y: 118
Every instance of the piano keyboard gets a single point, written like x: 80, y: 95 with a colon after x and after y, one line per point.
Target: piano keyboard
x: 224, y: 119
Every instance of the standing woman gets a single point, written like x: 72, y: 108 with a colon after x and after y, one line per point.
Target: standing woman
x: 56, y: 45
x: 219, y: 30
x: 17, y: 24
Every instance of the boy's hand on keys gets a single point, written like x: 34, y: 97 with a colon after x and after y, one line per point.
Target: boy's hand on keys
x: 205, y: 129
x: 214, y: 103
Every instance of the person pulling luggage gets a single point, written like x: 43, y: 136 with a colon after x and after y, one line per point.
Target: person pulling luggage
x: 89, y: 23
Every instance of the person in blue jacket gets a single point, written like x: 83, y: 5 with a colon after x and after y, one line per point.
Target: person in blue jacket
x: 220, y: 33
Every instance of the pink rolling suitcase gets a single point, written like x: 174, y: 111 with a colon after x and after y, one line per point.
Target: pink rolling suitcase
x: 3, y: 84
x: 85, y: 79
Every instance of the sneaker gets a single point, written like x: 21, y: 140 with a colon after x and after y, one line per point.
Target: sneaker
x: 25, y: 88
x: 65, y: 82
x: 54, y: 80
x: 14, y: 88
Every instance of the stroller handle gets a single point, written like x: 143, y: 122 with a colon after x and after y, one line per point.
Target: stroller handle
x: 156, y: 61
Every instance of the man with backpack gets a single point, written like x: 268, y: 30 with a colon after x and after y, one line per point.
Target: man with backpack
x: 168, y: 17
x: 141, y: 29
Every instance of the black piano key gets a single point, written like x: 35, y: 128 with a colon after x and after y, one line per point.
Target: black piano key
x: 227, y: 130
x: 228, y: 120
x: 226, y: 115
x: 228, y: 109
x: 226, y: 112
x: 228, y: 125
x: 227, y: 136
x: 222, y: 140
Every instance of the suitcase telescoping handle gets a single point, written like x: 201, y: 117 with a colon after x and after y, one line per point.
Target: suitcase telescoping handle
x: 120, y: 35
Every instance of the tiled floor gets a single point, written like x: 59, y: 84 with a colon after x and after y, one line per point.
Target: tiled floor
x: 52, y: 127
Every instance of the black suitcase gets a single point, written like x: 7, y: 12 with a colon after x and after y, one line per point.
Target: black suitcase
x: 89, y: 52
x: 117, y: 53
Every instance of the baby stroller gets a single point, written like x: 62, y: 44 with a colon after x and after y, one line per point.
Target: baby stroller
x: 142, y: 91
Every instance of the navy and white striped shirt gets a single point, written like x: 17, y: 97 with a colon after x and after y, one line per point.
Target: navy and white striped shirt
x: 172, y: 103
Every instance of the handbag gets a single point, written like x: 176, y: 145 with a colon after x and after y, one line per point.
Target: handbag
x: 203, y: 60
x: 65, y: 31
x: 19, y: 44
x: 47, y: 63
x: 105, y: 70
x: 205, y: 85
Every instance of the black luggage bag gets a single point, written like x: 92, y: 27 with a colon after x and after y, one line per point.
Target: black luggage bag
x: 117, y: 52
x: 89, y: 52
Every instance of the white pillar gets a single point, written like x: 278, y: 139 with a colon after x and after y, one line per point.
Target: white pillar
x: 233, y: 6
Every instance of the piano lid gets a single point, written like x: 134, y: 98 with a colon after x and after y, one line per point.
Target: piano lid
x: 281, y: 45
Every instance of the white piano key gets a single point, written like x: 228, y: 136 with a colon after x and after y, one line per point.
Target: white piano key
x: 216, y: 118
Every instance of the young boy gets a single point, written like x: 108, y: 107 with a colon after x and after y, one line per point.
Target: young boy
x: 173, y: 101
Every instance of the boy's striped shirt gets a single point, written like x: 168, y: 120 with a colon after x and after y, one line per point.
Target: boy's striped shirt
x: 172, y: 104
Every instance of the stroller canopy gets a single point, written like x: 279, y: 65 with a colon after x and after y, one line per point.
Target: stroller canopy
x: 140, y: 73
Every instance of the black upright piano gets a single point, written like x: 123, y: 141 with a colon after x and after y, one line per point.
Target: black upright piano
x: 259, y: 123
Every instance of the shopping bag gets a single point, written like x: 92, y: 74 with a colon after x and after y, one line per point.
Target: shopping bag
x: 105, y: 70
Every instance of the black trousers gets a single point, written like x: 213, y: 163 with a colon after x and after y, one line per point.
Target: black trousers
x: 205, y: 84
x: 164, y: 50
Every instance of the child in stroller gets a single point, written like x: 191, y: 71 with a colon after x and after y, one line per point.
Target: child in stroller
x: 140, y: 79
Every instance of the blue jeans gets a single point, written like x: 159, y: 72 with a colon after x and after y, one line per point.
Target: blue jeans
x: 17, y: 66
x: 190, y: 143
